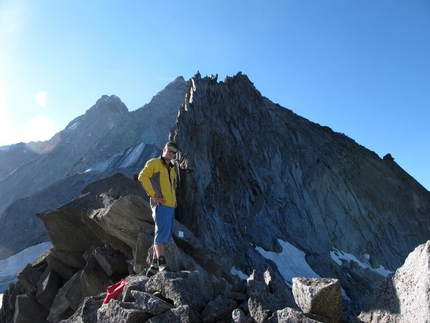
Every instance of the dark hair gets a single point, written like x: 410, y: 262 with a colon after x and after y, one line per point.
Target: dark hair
x: 171, y: 144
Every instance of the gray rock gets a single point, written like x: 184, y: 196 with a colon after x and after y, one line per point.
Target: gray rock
x: 181, y: 314
x: 140, y: 252
x: 67, y: 300
x: 149, y: 303
x: 291, y: 315
x: 26, y: 307
x: 319, y: 296
x: 405, y: 296
x: 29, y: 277
x: 87, y: 313
x: 133, y: 283
x: 182, y: 288
x: 218, y: 309
x: 114, y: 312
x: 64, y: 225
x: 47, y: 287
x: 111, y: 260
x: 94, y: 279
x: 239, y: 317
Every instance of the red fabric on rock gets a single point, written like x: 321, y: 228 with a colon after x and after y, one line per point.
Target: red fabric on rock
x: 114, y: 290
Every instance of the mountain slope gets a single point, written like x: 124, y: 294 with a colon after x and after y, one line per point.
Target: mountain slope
x: 257, y: 179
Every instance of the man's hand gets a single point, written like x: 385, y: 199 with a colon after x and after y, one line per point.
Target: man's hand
x: 158, y: 200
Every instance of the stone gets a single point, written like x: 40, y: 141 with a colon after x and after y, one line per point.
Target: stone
x: 149, y: 303
x: 87, y: 312
x: 404, y: 296
x: 319, y: 296
x: 123, y: 220
x: 239, y: 317
x: 64, y: 225
x: 114, y: 312
x: 47, y: 287
x: 67, y: 300
x: 291, y: 315
x: 182, y: 288
x: 111, y: 260
x: 133, y: 283
x: 218, y: 309
x: 94, y: 279
x: 25, y: 309
x: 140, y: 252
x: 181, y: 314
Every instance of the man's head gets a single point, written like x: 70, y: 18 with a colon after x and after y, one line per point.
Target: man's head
x: 170, y: 150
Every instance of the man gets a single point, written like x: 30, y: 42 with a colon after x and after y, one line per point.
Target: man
x: 159, y: 179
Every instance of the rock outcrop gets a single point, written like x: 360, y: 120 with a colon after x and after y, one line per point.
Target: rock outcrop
x: 261, y: 180
x: 404, y: 296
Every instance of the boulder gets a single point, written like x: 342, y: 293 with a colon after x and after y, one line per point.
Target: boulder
x: 218, y: 309
x: 114, y: 311
x: 190, y: 288
x: 404, y: 296
x: 263, y: 300
x: 26, y: 307
x: 47, y: 287
x: 67, y: 300
x: 292, y: 315
x: 319, y: 296
x: 150, y: 304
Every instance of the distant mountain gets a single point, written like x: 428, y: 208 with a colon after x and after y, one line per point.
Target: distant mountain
x: 105, y: 140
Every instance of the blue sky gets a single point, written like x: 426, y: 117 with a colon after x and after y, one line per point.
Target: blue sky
x: 360, y: 67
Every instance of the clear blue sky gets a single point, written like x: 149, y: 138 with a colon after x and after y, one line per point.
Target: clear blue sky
x: 360, y: 67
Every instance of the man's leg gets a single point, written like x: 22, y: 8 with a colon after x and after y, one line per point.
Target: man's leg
x: 158, y: 250
x: 159, y: 247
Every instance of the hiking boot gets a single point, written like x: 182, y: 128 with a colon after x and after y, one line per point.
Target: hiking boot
x: 162, y: 263
x: 152, y: 270
x: 165, y: 268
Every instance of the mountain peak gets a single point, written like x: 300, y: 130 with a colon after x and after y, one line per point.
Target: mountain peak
x: 109, y: 104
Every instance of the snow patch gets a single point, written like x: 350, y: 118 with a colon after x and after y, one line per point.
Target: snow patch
x: 291, y: 262
x: 73, y: 126
x: 132, y: 155
x: 338, y: 256
x: 5, y: 147
x: 122, y: 159
x: 239, y: 273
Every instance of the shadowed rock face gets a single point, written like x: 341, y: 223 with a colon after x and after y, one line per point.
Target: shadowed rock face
x: 253, y: 174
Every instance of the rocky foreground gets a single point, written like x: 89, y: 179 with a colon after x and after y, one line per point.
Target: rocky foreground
x: 105, y: 236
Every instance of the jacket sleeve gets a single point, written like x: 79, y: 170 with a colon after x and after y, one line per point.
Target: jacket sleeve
x: 144, y: 177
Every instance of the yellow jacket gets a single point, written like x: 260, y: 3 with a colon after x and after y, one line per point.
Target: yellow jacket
x: 159, y: 179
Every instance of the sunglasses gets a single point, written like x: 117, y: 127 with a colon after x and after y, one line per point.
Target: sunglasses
x: 172, y: 151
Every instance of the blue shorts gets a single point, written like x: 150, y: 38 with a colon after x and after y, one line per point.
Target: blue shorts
x: 163, y: 218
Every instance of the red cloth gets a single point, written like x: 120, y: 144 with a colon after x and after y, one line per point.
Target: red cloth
x: 114, y: 290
